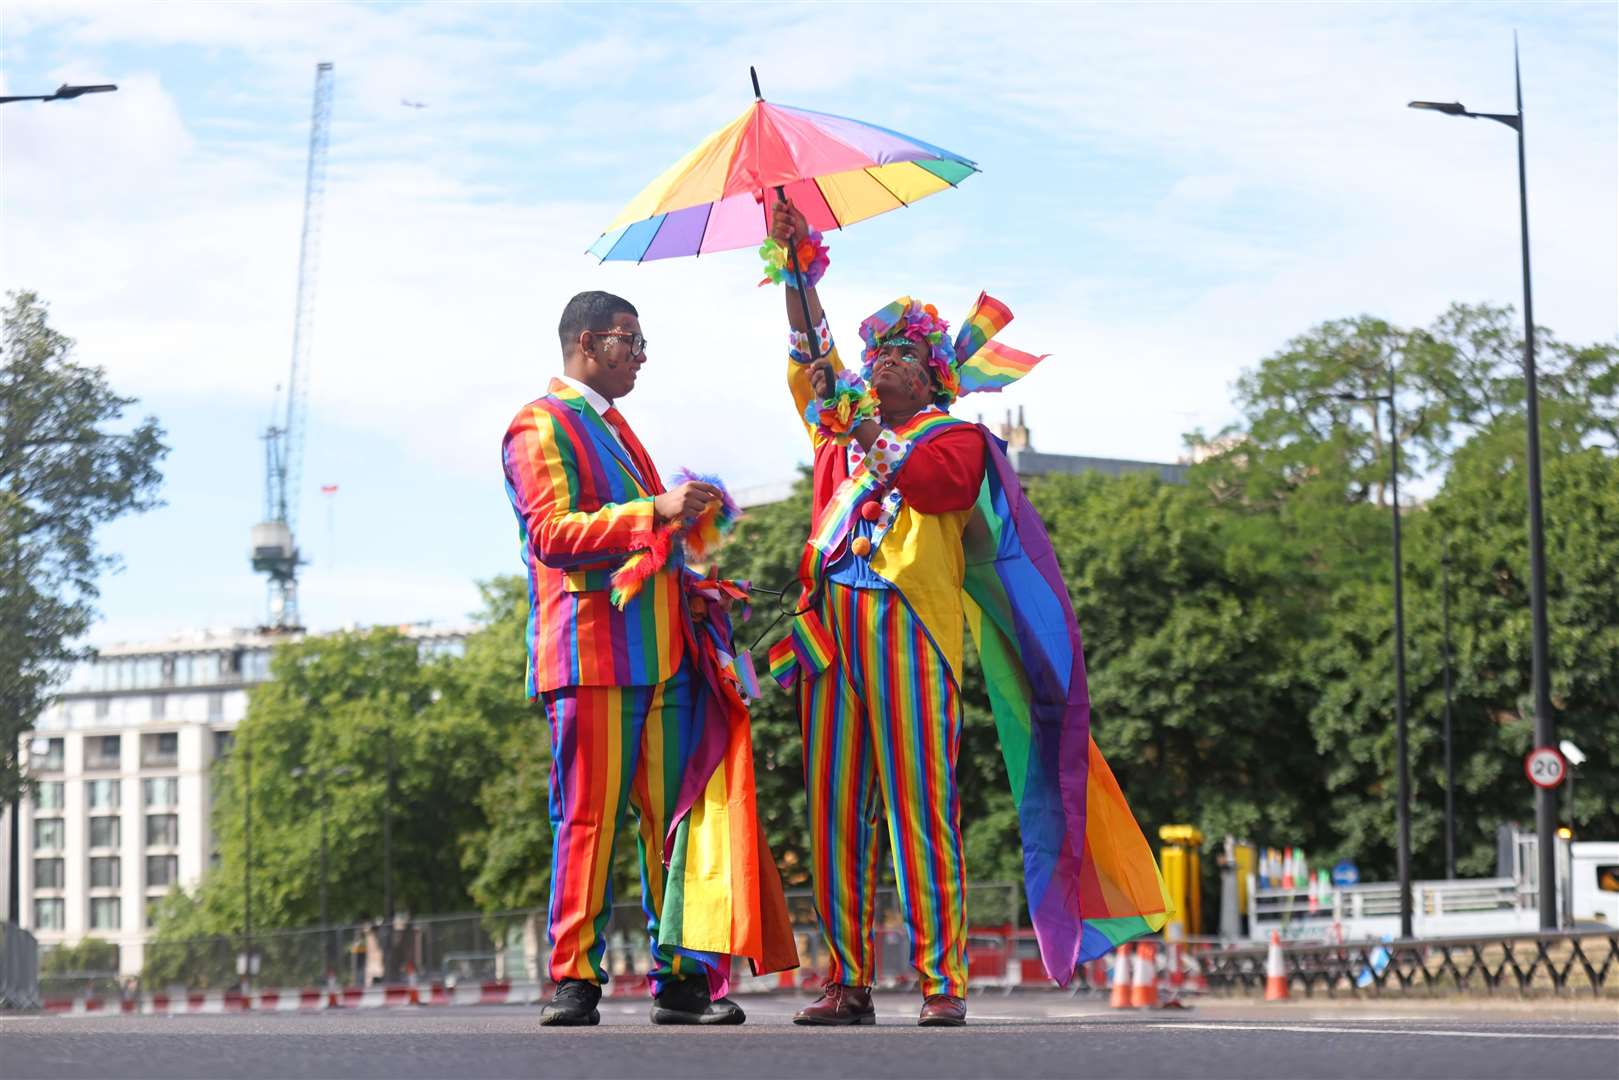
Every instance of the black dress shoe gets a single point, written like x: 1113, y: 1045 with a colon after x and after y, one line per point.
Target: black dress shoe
x: 573, y: 1005
x: 686, y: 1001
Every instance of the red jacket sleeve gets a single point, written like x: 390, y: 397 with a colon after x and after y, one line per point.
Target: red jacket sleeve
x: 944, y: 473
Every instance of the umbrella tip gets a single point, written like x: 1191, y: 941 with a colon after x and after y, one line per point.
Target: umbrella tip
x: 754, y: 75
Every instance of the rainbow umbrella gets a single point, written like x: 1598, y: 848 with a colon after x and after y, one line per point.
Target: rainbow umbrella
x: 835, y: 170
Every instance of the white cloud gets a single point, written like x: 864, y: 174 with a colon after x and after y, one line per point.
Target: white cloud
x: 1170, y: 192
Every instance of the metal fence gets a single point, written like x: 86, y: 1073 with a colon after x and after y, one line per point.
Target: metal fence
x: 19, y: 968
x: 511, y: 947
x: 1522, y: 964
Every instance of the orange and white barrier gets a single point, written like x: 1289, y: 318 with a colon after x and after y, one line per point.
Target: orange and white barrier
x: 1122, y: 977
x: 1275, y: 970
x: 1144, y: 993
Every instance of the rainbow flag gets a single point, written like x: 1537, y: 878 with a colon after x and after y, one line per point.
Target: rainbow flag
x: 994, y: 366
x: 987, y: 318
x: 1090, y: 877
x: 723, y: 894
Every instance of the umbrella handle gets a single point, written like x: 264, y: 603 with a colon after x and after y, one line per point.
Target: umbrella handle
x: 803, y: 298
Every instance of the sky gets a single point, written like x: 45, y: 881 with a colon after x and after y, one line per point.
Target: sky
x: 1169, y: 194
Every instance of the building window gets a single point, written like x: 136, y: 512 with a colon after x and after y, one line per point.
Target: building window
x: 162, y: 871
x: 223, y: 741
x: 49, y: 913
x: 104, y: 872
x: 216, y: 706
x: 102, y: 752
x: 104, y: 832
x: 161, y: 791
x: 104, y: 912
x: 152, y: 907
x: 160, y: 749
x: 48, y: 795
x: 48, y: 834
x: 162, y: 830
x: 52, y: 760
x: 103, y: 794
x: 48, y: 874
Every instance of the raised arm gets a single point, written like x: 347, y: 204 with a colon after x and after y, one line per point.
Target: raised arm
x: 809, y: 379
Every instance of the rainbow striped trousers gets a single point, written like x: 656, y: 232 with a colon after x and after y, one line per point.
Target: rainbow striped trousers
x: 612, y: 747
x: 882, y: 728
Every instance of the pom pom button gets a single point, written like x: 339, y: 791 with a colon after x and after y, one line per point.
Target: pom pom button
x: 870, y: 510
x: 860, y: 546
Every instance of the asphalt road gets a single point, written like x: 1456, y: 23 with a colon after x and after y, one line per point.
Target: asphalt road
x: 1024, y: 1036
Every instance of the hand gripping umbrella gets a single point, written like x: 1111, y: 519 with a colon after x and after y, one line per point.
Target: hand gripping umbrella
x: 835, y: 170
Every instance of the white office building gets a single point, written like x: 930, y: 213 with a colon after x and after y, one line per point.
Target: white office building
x: 121, y: 761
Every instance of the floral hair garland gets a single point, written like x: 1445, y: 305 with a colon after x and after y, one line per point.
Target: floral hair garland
x: 910, y: 321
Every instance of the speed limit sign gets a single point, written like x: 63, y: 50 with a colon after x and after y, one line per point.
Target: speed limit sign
x: 1545, y: 767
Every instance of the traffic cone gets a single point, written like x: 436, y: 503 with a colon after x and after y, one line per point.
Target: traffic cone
x: 1198, y: 983
x: 1144, y: 994
x: 1175, y: 969
x: 1121, y: 978
x: 1275, y: 971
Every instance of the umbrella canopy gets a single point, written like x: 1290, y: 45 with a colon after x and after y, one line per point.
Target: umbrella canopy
x: 835, y: 170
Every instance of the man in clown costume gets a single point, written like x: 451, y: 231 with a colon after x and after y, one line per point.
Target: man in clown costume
x: 919, y: 527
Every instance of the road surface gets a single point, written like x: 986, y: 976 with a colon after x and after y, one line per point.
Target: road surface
x: 1023, y: 1035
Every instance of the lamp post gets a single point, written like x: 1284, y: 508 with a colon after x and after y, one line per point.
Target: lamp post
x: 1402, y: 764
x: 1450, y: 768
x: 1545, y: 798
x: 247, y: 867
x: 323, y: 798
x: 65, y: 92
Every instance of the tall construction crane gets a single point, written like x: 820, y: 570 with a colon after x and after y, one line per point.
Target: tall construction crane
x: 275, y: 549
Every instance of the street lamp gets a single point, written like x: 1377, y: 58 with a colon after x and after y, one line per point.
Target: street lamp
x: 1545, y: 798
x: 247, y: 864
x: 65, y: 92
x: 1402, y: 767
x: 323, y: 798
x: 1450, y: 766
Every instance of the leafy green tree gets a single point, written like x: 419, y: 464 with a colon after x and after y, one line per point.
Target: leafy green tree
x: 1480, y: 519
x: 67, y: 465
x: 509, y: 854
x: 1187, y: 642
x: 322, y: 733
x: 86, y: 955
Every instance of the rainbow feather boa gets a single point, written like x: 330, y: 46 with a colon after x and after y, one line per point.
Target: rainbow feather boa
x: 701, y: 539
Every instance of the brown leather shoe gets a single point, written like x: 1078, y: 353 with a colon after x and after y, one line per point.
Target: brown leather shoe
x: 839, y: 1006
x: 942, y: 1010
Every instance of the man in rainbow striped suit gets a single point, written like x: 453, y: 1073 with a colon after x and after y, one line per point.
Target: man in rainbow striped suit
x: 617, y: 686
x: 920, y: 526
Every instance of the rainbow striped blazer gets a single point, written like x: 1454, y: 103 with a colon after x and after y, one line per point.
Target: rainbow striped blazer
x: 582, y: 507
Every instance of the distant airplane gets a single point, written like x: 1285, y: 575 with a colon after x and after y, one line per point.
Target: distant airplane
x: 412, y: 104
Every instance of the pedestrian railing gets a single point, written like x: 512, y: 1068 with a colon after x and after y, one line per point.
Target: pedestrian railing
x: 1521, y: 964
x: 511, y: 947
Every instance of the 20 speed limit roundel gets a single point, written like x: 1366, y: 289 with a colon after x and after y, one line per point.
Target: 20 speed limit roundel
x: 1545, y: 767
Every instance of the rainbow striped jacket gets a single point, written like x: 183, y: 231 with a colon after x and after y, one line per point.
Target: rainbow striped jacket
x: 582, y: 507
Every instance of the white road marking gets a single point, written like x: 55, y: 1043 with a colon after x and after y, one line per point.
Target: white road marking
x: 1322, y: 1029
